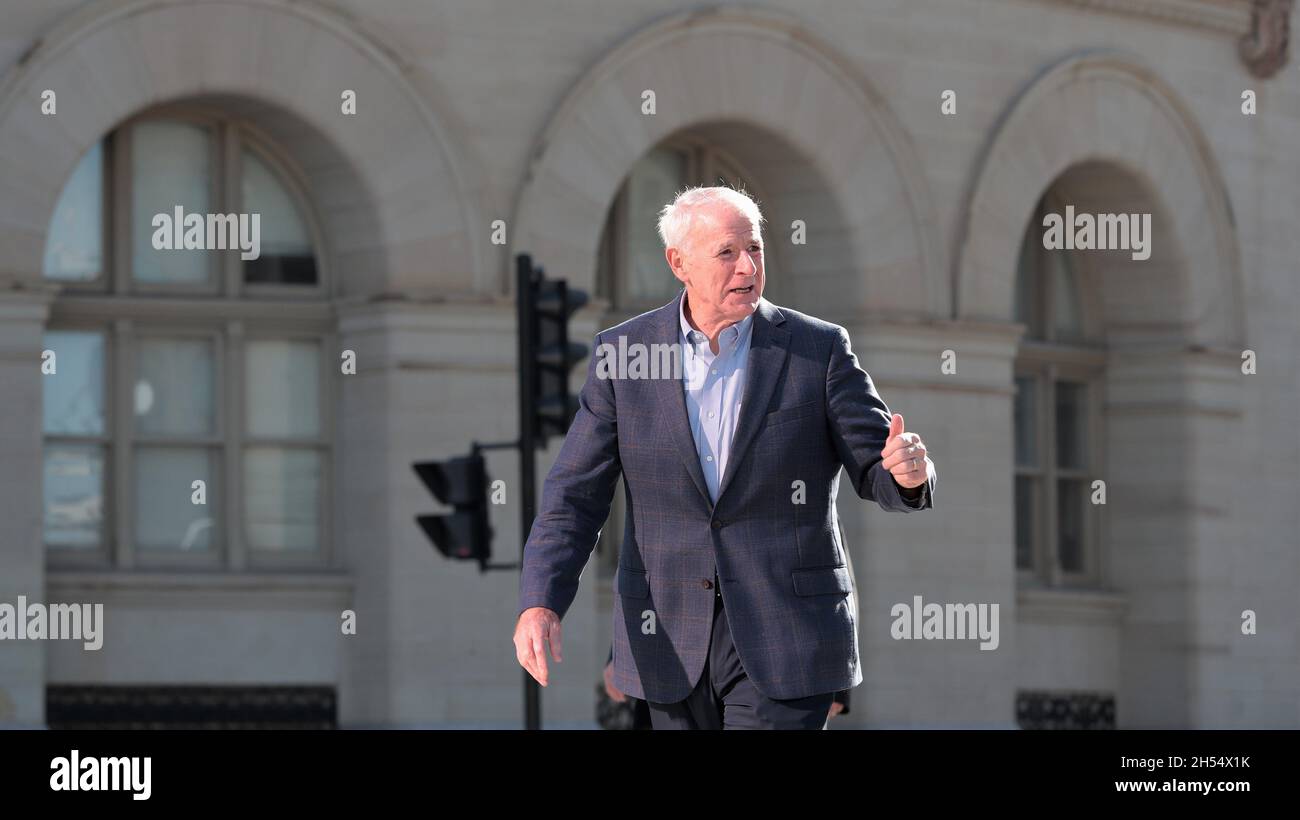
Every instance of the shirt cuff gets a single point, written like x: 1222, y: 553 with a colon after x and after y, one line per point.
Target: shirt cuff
x: 914, y: 497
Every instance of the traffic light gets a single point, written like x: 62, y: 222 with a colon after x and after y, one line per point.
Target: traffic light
x: 461, y: 483
x: 546, y: 354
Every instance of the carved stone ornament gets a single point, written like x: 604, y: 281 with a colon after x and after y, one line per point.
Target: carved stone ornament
x: 1264, y: 49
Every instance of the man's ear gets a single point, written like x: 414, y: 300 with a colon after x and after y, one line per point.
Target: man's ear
x: 674, y: 258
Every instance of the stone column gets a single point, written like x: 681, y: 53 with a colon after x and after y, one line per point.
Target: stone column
x: 22, y: 555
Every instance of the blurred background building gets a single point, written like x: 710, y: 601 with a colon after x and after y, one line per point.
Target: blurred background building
x: 922, y: 228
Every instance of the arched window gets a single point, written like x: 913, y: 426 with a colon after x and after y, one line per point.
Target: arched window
x: 1057, y: 411
x: 186, y: 411
x: 633, y: 274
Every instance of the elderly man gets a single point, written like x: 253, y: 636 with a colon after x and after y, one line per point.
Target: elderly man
x: 735, y: 604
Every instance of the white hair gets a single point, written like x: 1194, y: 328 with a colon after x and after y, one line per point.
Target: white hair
x: 678, y: 217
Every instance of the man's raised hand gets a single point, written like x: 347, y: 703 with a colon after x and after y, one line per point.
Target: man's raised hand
x: 538, y: 628
x: 905, y: 456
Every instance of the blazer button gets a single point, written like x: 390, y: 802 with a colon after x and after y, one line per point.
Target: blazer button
x: 717, y: 525
x: 706, y: 583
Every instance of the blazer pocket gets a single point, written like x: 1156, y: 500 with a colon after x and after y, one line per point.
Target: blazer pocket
x: 785, y: 414
x: 822, y: 581
x: 632, y: 583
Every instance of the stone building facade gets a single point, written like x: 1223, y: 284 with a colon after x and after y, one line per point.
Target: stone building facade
x: 915, y: 141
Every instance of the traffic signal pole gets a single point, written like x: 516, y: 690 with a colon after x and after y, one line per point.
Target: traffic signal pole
x: 527, y: 450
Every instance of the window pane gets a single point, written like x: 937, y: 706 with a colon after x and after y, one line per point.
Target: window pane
x: 282, y: 392
x: 170, y: 168
x: 166, y: 516
x: 282, y: 498
x: 1069, y: 522
x: 74, y: 247
x: 74, y: 392
x: 653, y: 182
x: 1071, y: 417
x: 1067, y: 324
x: 1026, y: 505
x: 286, y: 255
x: 74, y: 495
x: 1026, y: 422
x: 174, y: 388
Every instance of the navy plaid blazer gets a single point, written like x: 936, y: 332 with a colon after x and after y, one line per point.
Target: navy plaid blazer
x: 808, y: 409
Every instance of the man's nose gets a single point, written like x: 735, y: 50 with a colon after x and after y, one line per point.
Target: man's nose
x: 746, y: 266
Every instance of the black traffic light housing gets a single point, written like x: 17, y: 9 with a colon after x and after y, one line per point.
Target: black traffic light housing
x: 461, y: 483
x: 546, y: 354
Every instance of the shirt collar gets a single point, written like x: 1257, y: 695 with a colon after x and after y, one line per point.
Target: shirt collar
x: 694, y: 337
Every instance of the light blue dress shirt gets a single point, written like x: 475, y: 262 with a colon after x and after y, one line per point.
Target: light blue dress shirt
x: 714, y: 387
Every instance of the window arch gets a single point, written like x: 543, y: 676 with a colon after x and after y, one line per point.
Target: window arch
x: 199, y: 363
x: 631, y: 271
x: 1057, y: 408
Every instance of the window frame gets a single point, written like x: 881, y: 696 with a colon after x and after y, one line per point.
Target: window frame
x: 99, y: 556
x: 124, y: 280
x: 1048, y: 362
x: 228, y: 134
x: 1046, y: 368
x: 102, y: 279
x: 259, y: 558
x: 227, y: 310
x: 139, y: 555
x: 295, y: 185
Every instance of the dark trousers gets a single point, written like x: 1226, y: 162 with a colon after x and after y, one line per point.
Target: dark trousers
x: 725, y: 697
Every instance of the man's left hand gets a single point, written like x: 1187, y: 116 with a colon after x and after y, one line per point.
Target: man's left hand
x: 905, y: 456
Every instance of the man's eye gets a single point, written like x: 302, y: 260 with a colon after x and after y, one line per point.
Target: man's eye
x: 724, y: 253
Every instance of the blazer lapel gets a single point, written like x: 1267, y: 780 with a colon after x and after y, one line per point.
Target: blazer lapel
x: 672, y: 398
x: 768, y: 349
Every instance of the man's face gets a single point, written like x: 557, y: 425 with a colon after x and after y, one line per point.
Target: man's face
x: 721, y: 264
